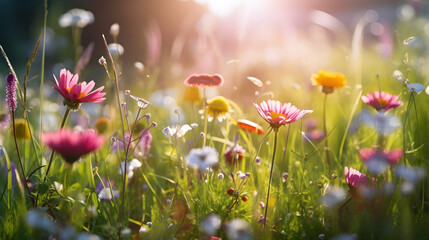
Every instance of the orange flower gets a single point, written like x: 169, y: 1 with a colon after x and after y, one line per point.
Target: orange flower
x: 329, y: 80
x: 250, y: 126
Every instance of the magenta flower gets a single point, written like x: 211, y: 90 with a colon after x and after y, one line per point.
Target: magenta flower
x: 354, y: 178
x: 391, y: 156
x: 382, y: 100
x: 72, y: 145
x: 75, y: 93
x: 277, y: 114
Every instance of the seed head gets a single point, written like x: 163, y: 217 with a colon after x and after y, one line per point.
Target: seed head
x: 11, y: 91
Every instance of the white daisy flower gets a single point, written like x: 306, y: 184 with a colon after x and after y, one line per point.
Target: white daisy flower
x: 202, y: 158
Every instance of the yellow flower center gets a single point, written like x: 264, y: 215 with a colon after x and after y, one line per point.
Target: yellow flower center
x: 383, y: 102
x: 275, y: 115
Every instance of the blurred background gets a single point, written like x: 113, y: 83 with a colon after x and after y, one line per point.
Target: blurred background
x: 266, y: 39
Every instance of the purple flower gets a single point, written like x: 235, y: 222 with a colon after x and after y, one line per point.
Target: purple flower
x: 11, y: 91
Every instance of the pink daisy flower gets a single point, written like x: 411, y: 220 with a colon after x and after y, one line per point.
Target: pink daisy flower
x: 72, y: 145
x: 391, y: 156
x: 75, y: 93
x: 278, y: 114
x: 354, y: 178
x: 382, y: 100
x: 204, y: 80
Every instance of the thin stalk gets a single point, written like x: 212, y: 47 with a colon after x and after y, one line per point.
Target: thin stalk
x: 260, y: 145
x: 126, y: 163
x: 205, y: 117
x: 271, y: 175
x: 63, y: 122
x: 42, y: 71
x: 405, y: 126
x: 19, y: 156
x: 285, y: 149
x: 326, y: 134
x: 116, y: 84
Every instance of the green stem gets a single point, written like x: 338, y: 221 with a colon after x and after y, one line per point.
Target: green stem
x: 42, y: 72
x: 126, y: 163
x: 326, y: 134
x: 404, y: 127
x: 19, y: 156
x: 63, y: 122
x: 205, y: 117
x: 271, y: 175
x: 284, y: 151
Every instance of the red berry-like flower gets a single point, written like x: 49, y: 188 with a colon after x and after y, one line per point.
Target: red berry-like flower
x: 244, y: 198
x: 204, y: 80
x: 230, y: 191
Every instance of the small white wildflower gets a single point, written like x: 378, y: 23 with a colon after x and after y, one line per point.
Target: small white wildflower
x: 76, y: 17
x: 210, y: 224
x: 116, y: 49
x: 143, y: 230
x: 202, y: 158
x: 87, y: 236
x: 39, y: 220
x: 285, y: 176
x: 102, y: 61
x: 176, y: 131
x: 139, y: 66
x: 399, y: 76
x: 241, y: 175
x: 194, y: 125
x: 220, y: 176
x: 58, y: 186
x: 133, y: 164
x: 238, y: 229
x: 114, y: 30
x: 334, y: 196
x: 107, y: 195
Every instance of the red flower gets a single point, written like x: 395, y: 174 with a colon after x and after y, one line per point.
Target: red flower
x: 72, y: 144
x: 250, y: 126
x: 382, y: 100
x: 232, y: 152
x: 204, y: 80
x: 75, y: 93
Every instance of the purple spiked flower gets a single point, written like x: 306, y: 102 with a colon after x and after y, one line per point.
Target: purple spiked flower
x: 11, y: 91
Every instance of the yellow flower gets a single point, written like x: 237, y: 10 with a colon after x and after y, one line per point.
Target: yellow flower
x: 329, y: 80
x: 218, y: 107
x: 192, y: 94
x: 102, y: 125
x: 22, y: 129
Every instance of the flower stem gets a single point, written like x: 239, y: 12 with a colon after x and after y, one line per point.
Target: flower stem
x: 205, y: 117
x: 126, y: 163
x: 19, y: 157
x: 284, y: 150
x: 271, y: 175
x: 405, y: 126
x: 326, y: 134
x: 260, y: 145
x: 116, y: 86
x: 63, y: 122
